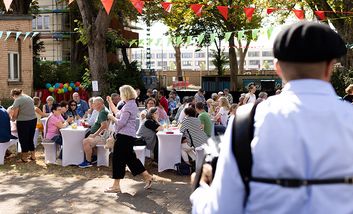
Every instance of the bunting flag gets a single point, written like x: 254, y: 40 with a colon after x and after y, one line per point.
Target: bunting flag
x: 270, y: 10
x: 227, y: 35
x: 1, y: 34
x: 107, y: 4
x: 269, y: 32
x: 8, y: 33
x: 138, y: 4
x: 254, y: 34
x: 141, y: 42
x: 212, y: 37
x: 158, y: 41
x: 320, y: 15
x: 240, y: 34
x: 34, y: 34
x: 200, y: 38
x: 7, y: 4
x: 299, y: 14
x: 27, y: 34
x: 167, y: 6
x: 223, y: 10
x: 179, y: 40
x: 249, y: 11
x: 197, y: 8
x: 133, y: 42
x: 70, y: 1
x: 17, y: 35
x: 188, y: 40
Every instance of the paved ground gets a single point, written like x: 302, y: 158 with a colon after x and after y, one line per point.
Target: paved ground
x: 38, y: 188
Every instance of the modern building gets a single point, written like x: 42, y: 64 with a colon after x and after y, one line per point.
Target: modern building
x: 53, y: 21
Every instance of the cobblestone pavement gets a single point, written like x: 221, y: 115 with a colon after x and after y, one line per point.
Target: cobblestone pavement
x: 39, y: 188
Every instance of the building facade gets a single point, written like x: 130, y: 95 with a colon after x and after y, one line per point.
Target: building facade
x: 16, y: 55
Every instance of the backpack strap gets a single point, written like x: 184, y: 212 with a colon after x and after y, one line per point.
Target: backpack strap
x: 242, y: 135
x: 191, y: 141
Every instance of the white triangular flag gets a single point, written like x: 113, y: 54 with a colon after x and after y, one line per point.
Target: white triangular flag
x: 7, y: 4
x: 18, y: 35
x: 34, y: 34
x: 8, y: 33
x: 27, y: 34
x: 1, y: 34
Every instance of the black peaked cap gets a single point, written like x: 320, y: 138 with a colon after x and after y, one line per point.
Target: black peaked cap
x: 308, y: 42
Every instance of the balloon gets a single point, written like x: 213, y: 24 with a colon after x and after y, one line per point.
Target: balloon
x: 72, y: 85
x: 70, y: 88
x: 77, y: 84
x: 65, y: 90
x: 61, y: 85
x: 57, y: 85
x: 66, y: 85
x: 51, y: 89
x: 48, y: 85
x: 77, y: 88
x: 56, y: 90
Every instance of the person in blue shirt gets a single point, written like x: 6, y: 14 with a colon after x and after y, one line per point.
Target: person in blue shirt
x: 5, y: 127
x: 302, y: 145
x: 82, y: 106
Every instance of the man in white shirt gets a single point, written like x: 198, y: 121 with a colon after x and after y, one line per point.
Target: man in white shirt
x: 300, y: 134
x: 250, y: 97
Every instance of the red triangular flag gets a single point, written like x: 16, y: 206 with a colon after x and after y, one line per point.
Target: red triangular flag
x: 270, y: 10
x: 138, y: 4
x: 197, y: 8
x: 224, y: 11
x: 248, y: 12
x: 167, y: 6
x: 299, y: 13
x: 320, y: 14
x: 107, y: 5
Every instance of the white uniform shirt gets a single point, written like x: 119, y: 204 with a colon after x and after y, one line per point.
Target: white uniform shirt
x: 251, y: 98
x: 305, y: 132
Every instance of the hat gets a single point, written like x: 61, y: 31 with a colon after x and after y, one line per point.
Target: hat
x: 220, y: 93
x: 155, y: 91
x: 308, y: 42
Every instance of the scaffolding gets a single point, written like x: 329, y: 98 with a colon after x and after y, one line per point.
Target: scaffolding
x: 53, y: 21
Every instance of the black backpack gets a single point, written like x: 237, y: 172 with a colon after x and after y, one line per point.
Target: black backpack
x: 242, y: 135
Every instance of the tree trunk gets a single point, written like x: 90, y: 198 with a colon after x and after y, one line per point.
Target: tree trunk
x: 98, y: 64
x: 233, y: 64
x: 241, y: 60
x: 125, y: 57
x: 178, y: 63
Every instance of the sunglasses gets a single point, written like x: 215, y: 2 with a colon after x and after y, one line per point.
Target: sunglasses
x: 73, y: 105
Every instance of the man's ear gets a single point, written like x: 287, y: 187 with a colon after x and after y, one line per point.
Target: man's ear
x: 329, y: 69
x: 278, y: 69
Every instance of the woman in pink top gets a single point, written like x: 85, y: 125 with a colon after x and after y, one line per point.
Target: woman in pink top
x: 54, y: 123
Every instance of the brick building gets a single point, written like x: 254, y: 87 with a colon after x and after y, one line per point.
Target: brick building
x: 16, y: 63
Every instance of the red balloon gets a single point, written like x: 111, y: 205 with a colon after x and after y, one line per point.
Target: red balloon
x: 56, y: 90
x: 77, y: 84
x: 61, y: 85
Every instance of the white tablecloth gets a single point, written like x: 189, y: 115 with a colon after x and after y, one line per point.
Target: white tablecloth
x: 73, y: 153
x: 169, y: 150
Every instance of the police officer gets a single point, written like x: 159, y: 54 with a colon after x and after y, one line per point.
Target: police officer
x: 305, y: 133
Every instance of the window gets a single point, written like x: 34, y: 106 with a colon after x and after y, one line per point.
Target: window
x: 187, y: 63
x: 200, y: 63
x: 172, y: 55
x: 253, y: 54
x: 186, y: 55
x: 267, y: 53
x: 160, y: 55
x: 41, y: 22
x: 160, y: 63
x: 200, y: 55
x: 254, y: 62
x: 13, y: 66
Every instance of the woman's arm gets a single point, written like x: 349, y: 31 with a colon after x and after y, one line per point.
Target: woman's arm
x: 14, y: 113
x: 112, y: 107
x: 40, y: 112
x: 61, y: 124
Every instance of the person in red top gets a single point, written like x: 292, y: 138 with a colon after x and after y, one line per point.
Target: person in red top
x: 162, y: 100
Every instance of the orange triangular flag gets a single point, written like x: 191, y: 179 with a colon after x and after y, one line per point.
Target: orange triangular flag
x: 167, y: 6
x: 107, y: 5
x: 223, y: 11
x: 320, y: 14
x: 248, y: 12
x: 7, y: 4
x: 138, y: 4
x: 299, y: 13
x: 197, y: 8
x: 270, y: 10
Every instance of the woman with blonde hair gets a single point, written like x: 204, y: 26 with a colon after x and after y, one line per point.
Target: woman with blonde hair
x: 125, y: 130
x: 39, y: 113
x: 222, y: 115
x: 349, y: 96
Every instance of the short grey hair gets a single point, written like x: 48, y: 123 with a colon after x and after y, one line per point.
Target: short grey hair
x: 50, y: 98
x: 98, y: 99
